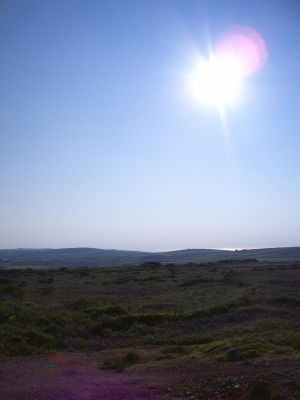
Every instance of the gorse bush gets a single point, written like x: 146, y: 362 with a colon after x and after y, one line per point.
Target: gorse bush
x: 128, y: 360
x: 176, y: 350
x: 18, y: 312
x: 11, y: 291
x: 37, y: 328
x: 288, y: 300
x: 124, y: 322
x: 80, y: 304
x: 41, y: 340
x: 98, y: 312
x: 170, y: 307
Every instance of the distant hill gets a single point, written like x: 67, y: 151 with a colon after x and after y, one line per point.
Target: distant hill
x: 75, y: 257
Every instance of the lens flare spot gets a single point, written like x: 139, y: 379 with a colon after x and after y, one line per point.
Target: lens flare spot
x: 246, y: 45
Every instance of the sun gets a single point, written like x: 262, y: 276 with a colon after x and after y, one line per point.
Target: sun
x: 217, y: 81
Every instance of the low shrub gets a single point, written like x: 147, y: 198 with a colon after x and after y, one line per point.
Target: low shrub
x: 233, y: 354
x: 12, y: 291
x: 80, y: 304
x: 112, y: 310
x: 288, y: 300
x: 47, y: 290
x: 126, y: 361
x: 176, y: 350
x: 41, y: 340
x: 126, y: 321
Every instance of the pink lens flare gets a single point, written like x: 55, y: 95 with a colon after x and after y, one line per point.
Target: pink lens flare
x: 58, y: 359
x: 245, y: 45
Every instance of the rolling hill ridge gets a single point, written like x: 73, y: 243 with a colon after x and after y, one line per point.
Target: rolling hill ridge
x: 84, y: 256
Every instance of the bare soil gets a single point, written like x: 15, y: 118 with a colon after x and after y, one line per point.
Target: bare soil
x: 82, y: 377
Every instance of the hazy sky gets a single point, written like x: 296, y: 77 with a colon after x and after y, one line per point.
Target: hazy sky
x: 101, y: 146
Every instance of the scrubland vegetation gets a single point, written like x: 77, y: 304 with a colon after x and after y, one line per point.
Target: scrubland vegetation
x: 216, y: 311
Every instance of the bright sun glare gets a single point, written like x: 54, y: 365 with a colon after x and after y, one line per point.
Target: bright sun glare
x: 217, y: 81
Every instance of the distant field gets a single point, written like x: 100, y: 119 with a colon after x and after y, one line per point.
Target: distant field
x: 200, y: 310
x: 91, y: 257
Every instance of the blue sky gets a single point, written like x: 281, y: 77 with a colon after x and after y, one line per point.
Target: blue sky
x: 102, y: 147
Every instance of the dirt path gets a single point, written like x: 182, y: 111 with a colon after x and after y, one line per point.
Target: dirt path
x: 78, y: 377
x: 72, y: 377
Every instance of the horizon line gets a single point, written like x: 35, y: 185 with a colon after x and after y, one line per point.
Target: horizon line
x: 229, y: 249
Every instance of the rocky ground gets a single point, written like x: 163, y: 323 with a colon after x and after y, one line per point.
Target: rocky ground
x: 82, y: 377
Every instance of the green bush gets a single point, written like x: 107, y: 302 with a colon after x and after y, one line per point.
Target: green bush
x: 20, y: 312
x: 111, y: 310
x: 17, y: 345
x: 128, y: 360
x: 12, y: 291
x: 176, y: 350
x: 127, y: 320
x: 46, y: 290
x: 41, y: 340
x: 80, y: 304
x: 288, y: 300
x: 234, y: 354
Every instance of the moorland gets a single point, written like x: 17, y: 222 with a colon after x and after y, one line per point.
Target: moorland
x: 216, y: 330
